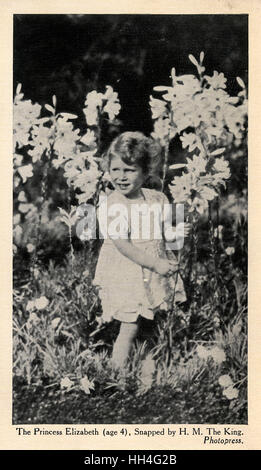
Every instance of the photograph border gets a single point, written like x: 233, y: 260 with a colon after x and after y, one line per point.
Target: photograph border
x: 9, y: 436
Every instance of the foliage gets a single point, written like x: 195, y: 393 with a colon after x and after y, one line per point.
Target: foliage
x: 59, y: 356
x: 196, y: 352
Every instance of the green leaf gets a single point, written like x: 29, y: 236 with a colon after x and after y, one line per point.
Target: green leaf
x: 49, y: 108
x: 176, y: 166
x: 218, y: 151
x: 240, y: 82
x: 54, y: 100
x: 65, y: 221
x: 18, y: 88
x: 68, y: 116
x: 162, y: 88
x: 62, y: 211
x: 193, y: 60
x: 43, y: 120
x: 173, y: 73
x: 201, y: 57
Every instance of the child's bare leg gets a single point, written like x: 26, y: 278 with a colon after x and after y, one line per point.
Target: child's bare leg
x: 123, y: 343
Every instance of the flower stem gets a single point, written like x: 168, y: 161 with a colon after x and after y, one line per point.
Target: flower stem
x: 165, y: 166
x: 213, y: 256
x: 194, y: 270
x: 72, y: 257
x: 43, y: 190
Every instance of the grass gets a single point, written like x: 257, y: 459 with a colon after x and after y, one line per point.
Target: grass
x: 62, y: 372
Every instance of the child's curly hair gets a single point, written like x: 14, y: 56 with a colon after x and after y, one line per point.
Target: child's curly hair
x: 135, y: 148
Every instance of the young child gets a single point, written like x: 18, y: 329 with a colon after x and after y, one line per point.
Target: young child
x: 135, y: 272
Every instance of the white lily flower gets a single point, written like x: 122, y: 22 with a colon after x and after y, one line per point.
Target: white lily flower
x: 41, y: 303
x: 217, y: 354
x: 230, y: 392
x: 25, y: 171
x: 66, y: 383
x: 87, y: 385
x: 225, y: 381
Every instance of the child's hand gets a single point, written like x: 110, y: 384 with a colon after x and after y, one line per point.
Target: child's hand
x: 165, y: 267
x: 186, y: 227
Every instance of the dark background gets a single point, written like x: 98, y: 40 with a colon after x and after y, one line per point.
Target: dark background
x: 70, y: 55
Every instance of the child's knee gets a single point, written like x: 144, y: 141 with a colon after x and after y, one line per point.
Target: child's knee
x: 129, y: 330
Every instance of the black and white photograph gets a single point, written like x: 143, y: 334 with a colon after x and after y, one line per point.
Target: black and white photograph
x: 130, y: 220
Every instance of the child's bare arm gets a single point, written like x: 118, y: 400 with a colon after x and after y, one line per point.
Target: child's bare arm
x: 161, y: 265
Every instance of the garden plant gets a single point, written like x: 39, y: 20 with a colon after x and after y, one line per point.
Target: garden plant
x: 190, y: 365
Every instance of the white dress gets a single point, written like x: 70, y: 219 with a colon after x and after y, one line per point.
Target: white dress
x: 128, y: 290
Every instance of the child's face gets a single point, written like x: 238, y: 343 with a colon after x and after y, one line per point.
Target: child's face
x: 128, y: 179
